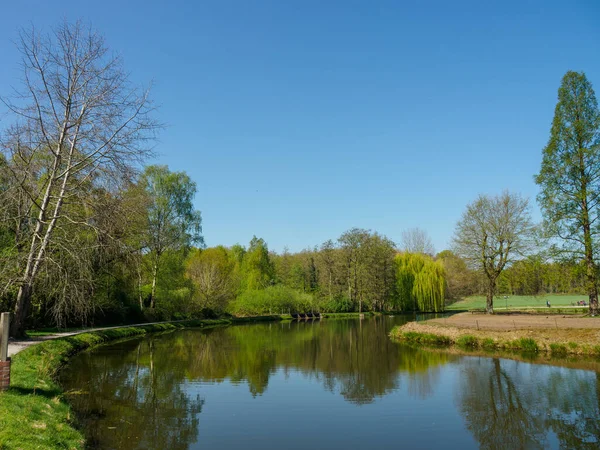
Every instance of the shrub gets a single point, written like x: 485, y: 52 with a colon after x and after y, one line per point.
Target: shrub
x: 272, y: 300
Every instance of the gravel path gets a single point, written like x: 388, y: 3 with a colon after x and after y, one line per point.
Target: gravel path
x: 15, y: 346
x: 519, y: 321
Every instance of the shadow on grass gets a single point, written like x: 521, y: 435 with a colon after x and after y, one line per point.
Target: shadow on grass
x: 48, y: 393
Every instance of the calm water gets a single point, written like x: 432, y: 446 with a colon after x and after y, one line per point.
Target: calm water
x: 328, y: 384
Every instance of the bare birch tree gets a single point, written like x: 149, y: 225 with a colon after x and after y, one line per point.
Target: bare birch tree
x: 77, y: 117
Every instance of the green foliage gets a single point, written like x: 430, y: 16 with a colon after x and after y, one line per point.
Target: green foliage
x: 569, y: 178
x: 336, y: 305
x: 213, y: 274
x: 420, y: 282
x: 272, y: 300
x: 258, y: 271
x: 173, y: 224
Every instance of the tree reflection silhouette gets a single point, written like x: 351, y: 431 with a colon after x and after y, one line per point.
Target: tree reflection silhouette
x: 511, y: 404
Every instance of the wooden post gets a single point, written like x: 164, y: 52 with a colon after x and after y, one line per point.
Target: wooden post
x: 4, y: 327
x: 4, y: 359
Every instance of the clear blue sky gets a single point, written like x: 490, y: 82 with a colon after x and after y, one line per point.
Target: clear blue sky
x: 301, y: 119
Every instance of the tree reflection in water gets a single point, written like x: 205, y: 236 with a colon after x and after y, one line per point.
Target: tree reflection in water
x: 511, y: 404
x: 138, y: 393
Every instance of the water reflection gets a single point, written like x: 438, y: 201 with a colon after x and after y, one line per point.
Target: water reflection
x: 512, y: 404
x: 150, y: 392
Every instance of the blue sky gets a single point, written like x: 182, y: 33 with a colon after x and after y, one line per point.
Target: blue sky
x: 301, y: 119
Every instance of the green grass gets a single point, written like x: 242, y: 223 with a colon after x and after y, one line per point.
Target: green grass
x: 489, y: 344
x: 467, y: 341
x: 518, y: 301
x: 425, y: 338
x: 525, y: 344
x: 33, y: 412
x: 558, y: 349
x: 50, y: 331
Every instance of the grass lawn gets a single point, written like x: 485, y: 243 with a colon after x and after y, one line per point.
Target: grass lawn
x: 518, y: 301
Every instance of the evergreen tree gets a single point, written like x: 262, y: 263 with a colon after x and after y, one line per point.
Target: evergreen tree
x: 570, y: 175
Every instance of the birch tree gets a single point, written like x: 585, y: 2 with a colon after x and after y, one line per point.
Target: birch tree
x: 173, y: 223
x: 81, y: 122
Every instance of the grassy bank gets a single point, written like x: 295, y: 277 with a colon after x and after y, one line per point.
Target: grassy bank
x: 554, y: 342
x: 33, y: 412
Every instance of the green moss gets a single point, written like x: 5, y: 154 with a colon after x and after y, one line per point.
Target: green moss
x: 573, y: 345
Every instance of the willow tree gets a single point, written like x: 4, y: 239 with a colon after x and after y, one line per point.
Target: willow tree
x: 491, y: 234
x: 570, y: 176
x: 78, y: 121
x: 421, y: 282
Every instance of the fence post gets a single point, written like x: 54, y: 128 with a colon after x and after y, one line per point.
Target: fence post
x: 4, y: 359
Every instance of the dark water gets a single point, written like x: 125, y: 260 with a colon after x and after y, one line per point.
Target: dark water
x: 330, y: 384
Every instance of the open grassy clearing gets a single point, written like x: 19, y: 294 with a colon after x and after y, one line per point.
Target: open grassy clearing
x: 518, y: 301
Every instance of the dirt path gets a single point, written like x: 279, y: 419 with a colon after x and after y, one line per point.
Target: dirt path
x: 15, y: 346
x: 506, y: 322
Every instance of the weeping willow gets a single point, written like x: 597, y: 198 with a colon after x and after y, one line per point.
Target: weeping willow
x: 421, y: 282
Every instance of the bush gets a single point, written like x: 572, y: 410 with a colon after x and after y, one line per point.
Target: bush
x: 336, y: 305
x: 272, y: 300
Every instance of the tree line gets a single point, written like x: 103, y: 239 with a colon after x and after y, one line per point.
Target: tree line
x: 360, y: 271
x: 90, y: 234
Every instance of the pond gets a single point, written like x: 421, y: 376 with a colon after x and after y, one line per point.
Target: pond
x: 322, y: 384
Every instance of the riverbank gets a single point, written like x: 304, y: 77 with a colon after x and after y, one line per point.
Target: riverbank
x: 33, y: 412
x: 557, y: 335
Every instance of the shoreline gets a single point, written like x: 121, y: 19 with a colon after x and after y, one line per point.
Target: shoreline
x: 33, y: 411
x: 555, y: 341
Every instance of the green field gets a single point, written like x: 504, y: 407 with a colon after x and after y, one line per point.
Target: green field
x: 517, y: 301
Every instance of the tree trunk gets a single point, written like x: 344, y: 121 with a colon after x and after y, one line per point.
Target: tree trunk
x: 21, y: 309
x: 589, y: 259
x: 591, y: 285
x: 489, y: 304
x: 140, y: 298
x: 154, y: 276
